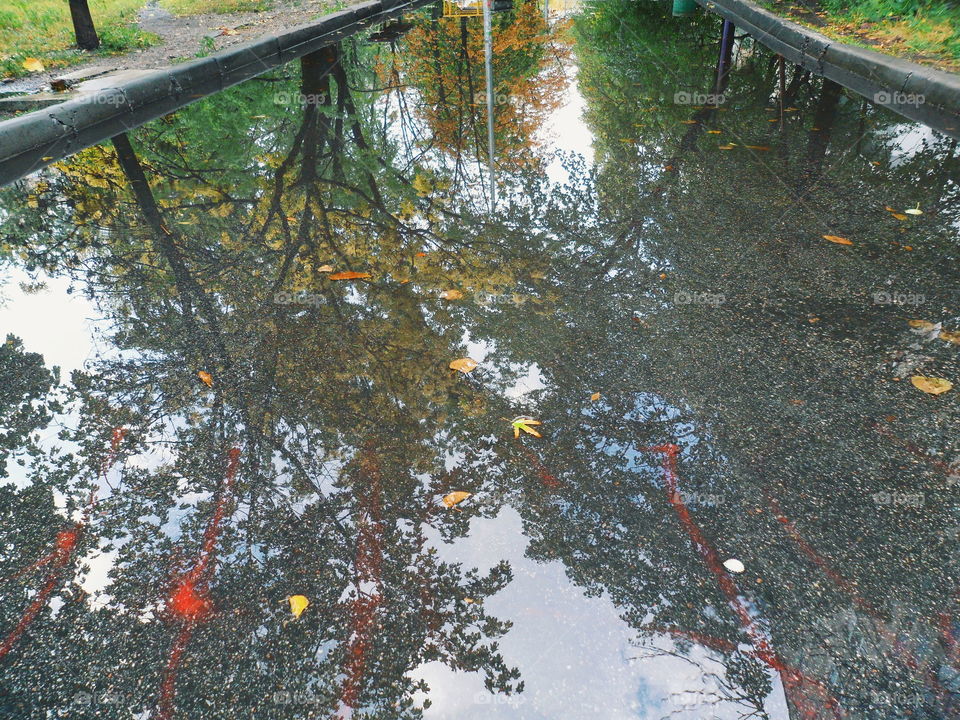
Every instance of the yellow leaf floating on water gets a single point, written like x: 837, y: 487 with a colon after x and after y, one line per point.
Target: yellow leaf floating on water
x: 713, y: 132
x: 451, y: 295
x: 731, y: 146
x: 455, y: 498
x: 464, y: 365
x: 298, y: 603
x: 206, y: 378
x: 595, y: 397
x: 914, y: 210
x: 931, y: 385
x: 949, y: 336
x: 899, y: 216
x: 837, y: 239
x: 349, y: 275
x: 31, y: 64
x: 325, y: 268
x: 523, y: 422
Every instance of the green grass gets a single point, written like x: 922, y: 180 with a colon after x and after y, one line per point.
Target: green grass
x: 42, y: 29
x: 923, y: 30
x: 196, y: 7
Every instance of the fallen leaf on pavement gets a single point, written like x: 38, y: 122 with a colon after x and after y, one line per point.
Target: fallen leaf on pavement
x: 349, y: 275
x: 298, y: 603
x: 464, y: 365
x: 455, y: 498
x: 206, y: 378
x: 931, y: 385
x: 523, y: 423
x: 837, y: 239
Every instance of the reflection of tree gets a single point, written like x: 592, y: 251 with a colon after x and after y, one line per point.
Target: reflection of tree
x: 351, y: 426
x: 339, y: 512
x: 443, y: 61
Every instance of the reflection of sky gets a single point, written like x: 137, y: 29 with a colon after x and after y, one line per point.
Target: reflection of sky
x: 51, y: 322
x: 574, y: 652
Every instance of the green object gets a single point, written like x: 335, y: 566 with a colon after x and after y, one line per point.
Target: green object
x: 684, y: 8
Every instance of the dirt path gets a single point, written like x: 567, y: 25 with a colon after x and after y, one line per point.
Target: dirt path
x: 183, y: 38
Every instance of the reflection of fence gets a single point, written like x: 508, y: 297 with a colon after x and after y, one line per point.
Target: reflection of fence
x: 451, y: 8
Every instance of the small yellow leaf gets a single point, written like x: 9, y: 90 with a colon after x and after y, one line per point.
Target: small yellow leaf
x: 451, y: 295
x: 469, y: 601
x: 931, y: 385
x: 206, y: 377
x: 595, y: 397
x: 349, y: 275
x: 837, y: 239
x: 31, y: 64
x: 726, y: 147
x: 899, y: 216
x: 298, y: 603
x: 923, y: 325
x: 325, y: 268
x: 713, y: 132
x: 455, y: 498
x: 464, y: 365
x: 523, y: 422
x: 953, y: 337
x: 914, y: 210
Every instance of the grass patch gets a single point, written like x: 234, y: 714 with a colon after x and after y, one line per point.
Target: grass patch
x: 43, y: 29
x: 195, y: 7
x: 924, y: 31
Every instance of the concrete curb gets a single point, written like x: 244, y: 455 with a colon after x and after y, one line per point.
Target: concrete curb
x: 915, y: 91
x: 32, y: 141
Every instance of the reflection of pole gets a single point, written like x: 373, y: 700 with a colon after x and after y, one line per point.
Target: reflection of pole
x: 488, y: 54
x: 726, y: 52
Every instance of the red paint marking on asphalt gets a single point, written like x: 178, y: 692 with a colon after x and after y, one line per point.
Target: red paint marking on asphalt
x: 546, y: 477
x: 64, y: 545
x: 368, y: 568
x: 792, y: 677
x: 189, y: 602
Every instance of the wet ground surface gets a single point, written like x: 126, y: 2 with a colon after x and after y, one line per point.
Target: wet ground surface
x: 669, y: 434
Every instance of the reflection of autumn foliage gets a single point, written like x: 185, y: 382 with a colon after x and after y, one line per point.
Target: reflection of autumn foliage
x: 444, y: 61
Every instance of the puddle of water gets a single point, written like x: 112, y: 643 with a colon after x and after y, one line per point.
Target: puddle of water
x: 738, y: 498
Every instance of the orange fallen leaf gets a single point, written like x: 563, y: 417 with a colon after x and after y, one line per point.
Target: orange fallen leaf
x: 595, y: 397
x: 455, y: 498
x: 837, y: 239
x: 349, y: 275
x: 763, y: 148
x: 464, y: 365
x: 451, y: 295
x: 899, y: 216
x: 206, y: 378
